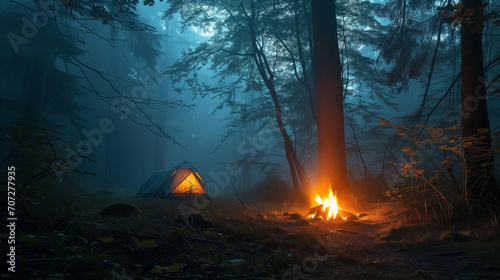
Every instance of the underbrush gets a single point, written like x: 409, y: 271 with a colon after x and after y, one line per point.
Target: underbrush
x: 444, y: 178
x: 406, y: 226
x: 62, y: 236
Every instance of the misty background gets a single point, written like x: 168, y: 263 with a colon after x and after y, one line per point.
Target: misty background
x: 73, y: 77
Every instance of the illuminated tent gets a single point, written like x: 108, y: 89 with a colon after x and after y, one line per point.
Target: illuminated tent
x: 176, y: 182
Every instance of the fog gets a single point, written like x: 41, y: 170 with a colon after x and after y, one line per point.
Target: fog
x: 107, y: 87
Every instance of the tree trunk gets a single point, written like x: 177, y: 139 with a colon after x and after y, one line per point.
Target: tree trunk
x: 329, y: 97
x: 480, y: 177
x: 299, y: 177
x: 297, y: 172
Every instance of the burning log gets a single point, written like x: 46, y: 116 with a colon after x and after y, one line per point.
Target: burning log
x: 319, y: 212
x: 346, y: 215
x: 326, y: 213
x: 315, y: 212
x: 328, y: 209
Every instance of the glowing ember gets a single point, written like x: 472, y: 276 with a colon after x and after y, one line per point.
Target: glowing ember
x: 327, y: 208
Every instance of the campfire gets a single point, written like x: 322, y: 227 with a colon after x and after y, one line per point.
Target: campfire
x: 327, y: 208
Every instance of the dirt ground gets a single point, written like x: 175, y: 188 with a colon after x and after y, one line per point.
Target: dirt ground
x: 74, y: 242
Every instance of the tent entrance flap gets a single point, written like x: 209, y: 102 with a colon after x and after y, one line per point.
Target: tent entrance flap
x: 177, y: 182
x: 189, y: 185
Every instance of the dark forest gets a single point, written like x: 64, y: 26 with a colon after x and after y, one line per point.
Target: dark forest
x: 250, y: 139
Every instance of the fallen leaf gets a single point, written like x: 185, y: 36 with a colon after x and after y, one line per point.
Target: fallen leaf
x: 81, y: 237
x: 146, y: 243
x: 157, y: 270
x: 217, y: 258
x: 173, y: 267
x: 205, y: 260
x: 108, y: 239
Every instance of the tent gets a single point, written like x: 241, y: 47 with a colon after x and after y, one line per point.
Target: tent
x: 175, y: 182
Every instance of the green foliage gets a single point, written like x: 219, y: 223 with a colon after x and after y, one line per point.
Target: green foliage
x: 121, y: 12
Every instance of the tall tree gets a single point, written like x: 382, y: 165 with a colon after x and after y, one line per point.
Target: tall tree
x: 254, y: 46
x: 418, y: 45
x: 481, y: 182
x: 329, y: 97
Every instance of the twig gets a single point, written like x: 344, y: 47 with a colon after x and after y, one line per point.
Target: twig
x: 190, y: 226
x: 187, y: 241
x: 203, y: 239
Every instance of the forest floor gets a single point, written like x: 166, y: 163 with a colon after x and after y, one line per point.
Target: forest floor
x: 72, y: 241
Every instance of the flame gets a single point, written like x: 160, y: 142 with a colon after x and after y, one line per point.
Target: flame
x: 329, y: 203
x: 327, y: 208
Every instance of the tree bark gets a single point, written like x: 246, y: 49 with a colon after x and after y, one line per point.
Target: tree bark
x: 481, y: 185
x: 329, y: 97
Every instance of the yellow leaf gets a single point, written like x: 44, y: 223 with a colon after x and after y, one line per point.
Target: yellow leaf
x: 173, y: 267
x: 205, y: 260
x: 384, y: 121
x: 207, y: 232
x: 81, y: 237
x: 217, y: 258
x: 157, y: 270
x: 136, y: 241
x: 146, y: 243
x: 149, y: 243
x: 108, y: 239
